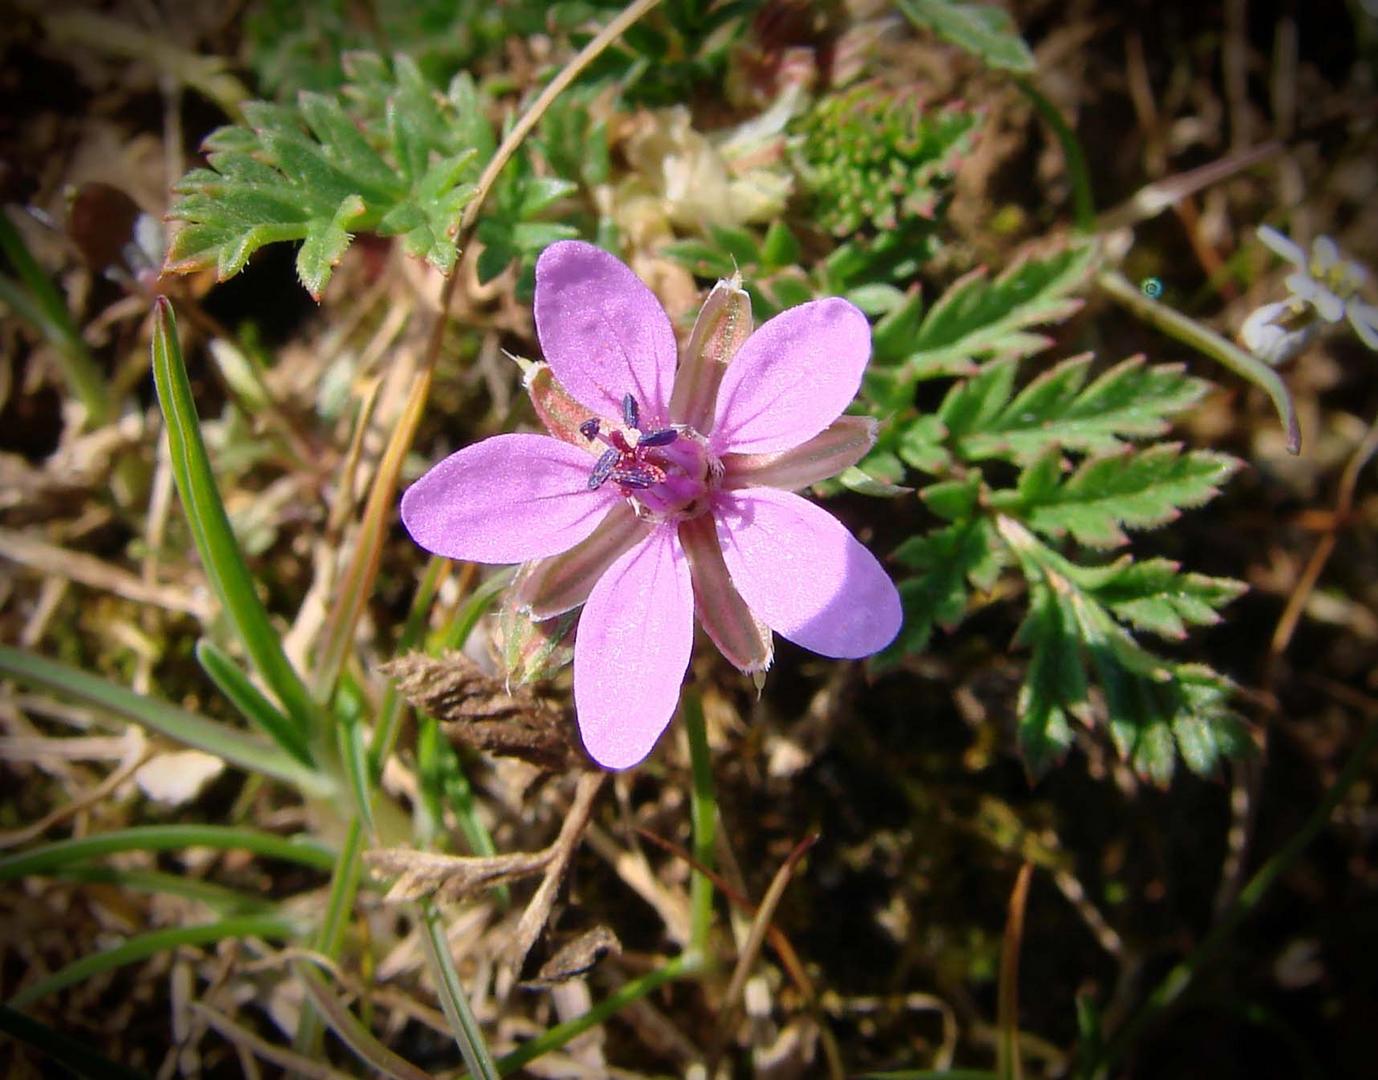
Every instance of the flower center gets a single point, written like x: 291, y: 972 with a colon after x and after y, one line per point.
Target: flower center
x: 666, y: 473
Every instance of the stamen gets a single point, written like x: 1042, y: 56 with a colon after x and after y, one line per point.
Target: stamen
x: 603, y: 469
x: 589, y: 428
x: 663, y: 437
x: 639, y: 476
x: 631, y: 415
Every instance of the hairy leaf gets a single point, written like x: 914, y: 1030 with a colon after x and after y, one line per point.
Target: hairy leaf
x: 1154, y: 595
x: 386, y: 154
x: 1154, y: 708
x: 980, y: 317
x: 947, y: 560
x: 1134, y: 489
x: 1130, y: 401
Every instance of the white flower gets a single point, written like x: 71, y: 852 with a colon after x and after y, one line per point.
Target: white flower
x: 1277, y: 332
x: 1324, y: 286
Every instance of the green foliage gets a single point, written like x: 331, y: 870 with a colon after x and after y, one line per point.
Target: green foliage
x: 859, y: 270
x: 388, y: 154
x: 508, y: 231
x: 679, y: 48
x: 1135, y: 489
x: 295, y: 45
x: 984, y: 30
x: 1082, y: 478
x: 977, y: 317
x: 881, y: 160
x: 1156, y: 709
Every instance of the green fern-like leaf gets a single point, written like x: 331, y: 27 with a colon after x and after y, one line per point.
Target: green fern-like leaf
x: 1155, y: 709
x: 1132, y: 400
x: 948, y: 561
x: 1132, y: 489
x: 977, y: 317
x: 388, y: 154
x: 1155, y: 596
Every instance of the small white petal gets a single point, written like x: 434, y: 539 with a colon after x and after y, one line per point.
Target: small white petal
x: 1264, y: 334
x: 1364, y: 319
x: 1282, y: 246
x: 1329, y: 306
x: 1324, y: 253
x: 1303, y: 286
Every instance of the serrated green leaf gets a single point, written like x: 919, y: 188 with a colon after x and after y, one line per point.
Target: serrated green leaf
x: 954, y: 499
x: 1130, y: 401
x: 979, y: 317
x: 1054, y: 690
x: 1138, y: 489
x: 386, y: 153
x: 1154, y: 708
x: 971, y: 404
x: 325, y: 242
x: 985, y: 31
x: 1154, y: 594
x: 947, y: 560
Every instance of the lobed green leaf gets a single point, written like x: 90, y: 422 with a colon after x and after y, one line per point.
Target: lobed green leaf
x: 1130, y: 401
x: 387, y: 153
x: 978, y: 317
x: 1105, y: 495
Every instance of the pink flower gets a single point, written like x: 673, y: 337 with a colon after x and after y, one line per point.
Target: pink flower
x: 666, y: 494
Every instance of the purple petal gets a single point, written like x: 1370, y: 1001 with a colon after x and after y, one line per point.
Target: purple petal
x: 792, y: 378
x: 841, y: 444
x: 633, y: 650
x: 603, y: 332
x: 505, y: 500
x: 805, y: 575
x: 723, y: 614
x: 564, y: 581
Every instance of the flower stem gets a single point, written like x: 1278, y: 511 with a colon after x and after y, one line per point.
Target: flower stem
x: 703, y: 812
x: 1190, y: 332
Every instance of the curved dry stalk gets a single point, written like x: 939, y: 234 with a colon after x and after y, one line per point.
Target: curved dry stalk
x: 746, y: 959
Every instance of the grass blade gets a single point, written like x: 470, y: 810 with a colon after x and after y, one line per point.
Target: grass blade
x: 452, y: 999
x: 63, y: 853
x: 246, y: 697
x: 354, y: 756
x: 211, y: 527
x: 176, y: 723
x: 353, y: 1033
x: 142, y: 946
x: 223, y: 899
x: 36, y: 299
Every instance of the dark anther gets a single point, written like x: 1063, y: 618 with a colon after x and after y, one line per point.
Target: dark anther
x: 663, y: 437
x: 630, y: 414
x: 638, y: 477
x: 603, y: 469
x: 589, y: 429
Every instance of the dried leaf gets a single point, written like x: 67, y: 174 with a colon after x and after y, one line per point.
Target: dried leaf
x: 576, y: 957
x: 477, y: 710
x: 448, y: 877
